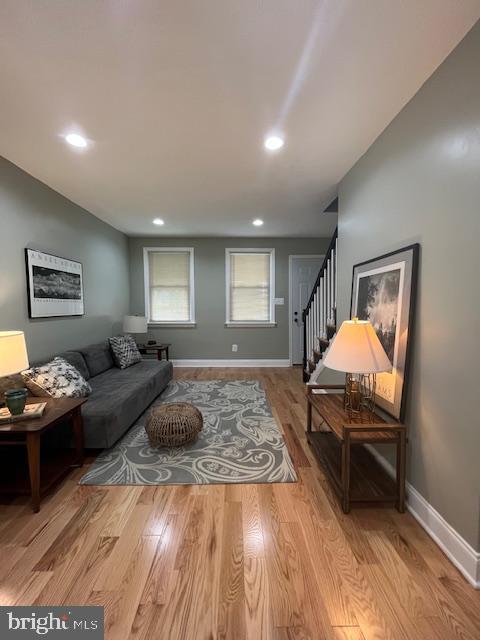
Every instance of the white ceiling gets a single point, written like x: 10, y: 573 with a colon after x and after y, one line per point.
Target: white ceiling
x: 177, y: 95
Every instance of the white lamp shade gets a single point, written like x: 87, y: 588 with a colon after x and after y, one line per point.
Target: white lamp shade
x: 13, y: 353
x: 357, y: 349
x: 135, y: 324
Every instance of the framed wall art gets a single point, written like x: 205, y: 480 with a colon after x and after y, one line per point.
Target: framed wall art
x: 54, y: 284
x: 383, y: 292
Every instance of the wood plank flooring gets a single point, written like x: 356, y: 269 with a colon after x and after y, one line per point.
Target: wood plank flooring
x: 256, y: 562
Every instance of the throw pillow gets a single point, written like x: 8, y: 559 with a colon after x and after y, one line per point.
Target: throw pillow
x: 125, y: 351
x: 56, y: 379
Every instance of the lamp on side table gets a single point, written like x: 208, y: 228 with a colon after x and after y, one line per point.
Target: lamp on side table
x: 13, y: 359
x: 135, y: 324
x: 357, y: 351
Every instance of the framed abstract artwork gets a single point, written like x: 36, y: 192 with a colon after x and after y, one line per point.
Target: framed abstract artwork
x: 54, y: 284
x: 383, y: 292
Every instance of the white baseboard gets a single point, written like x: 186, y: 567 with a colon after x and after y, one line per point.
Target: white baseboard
x: 231, y: 363
x: 458, y: 550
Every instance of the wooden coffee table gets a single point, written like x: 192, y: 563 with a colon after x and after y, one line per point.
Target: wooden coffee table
x: 43, y: 469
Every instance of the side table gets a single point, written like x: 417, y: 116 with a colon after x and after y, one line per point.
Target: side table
x: 158, y: 348
x: 43, y: 470
x: 348, y: 434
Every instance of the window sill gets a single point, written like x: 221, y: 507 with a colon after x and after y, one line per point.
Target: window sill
x: 172, y: 325
x: 253, y: 325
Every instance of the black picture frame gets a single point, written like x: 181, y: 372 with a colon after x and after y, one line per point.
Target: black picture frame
x: 62, y: 277
x: 381, y: 272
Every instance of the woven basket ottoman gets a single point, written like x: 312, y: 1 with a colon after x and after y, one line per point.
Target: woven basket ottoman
x: 173, y: 425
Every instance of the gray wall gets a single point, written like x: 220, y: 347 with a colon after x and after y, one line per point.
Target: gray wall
x: 33, y: 215
x: 420, y: 182
x: 211, y: 339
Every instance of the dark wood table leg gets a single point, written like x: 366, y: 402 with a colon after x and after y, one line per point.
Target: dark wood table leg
x: 166, y: 352
x: 33, y: 452
x: 401, y: 470
x: 309, y: 416
x: 346, y: 472
x: 77, y: 426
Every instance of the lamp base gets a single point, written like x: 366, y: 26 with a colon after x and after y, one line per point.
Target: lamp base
x: 359, y: 396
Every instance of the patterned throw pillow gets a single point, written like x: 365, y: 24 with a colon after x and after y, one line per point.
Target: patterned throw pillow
x: 56, y: 379
x: 125, y: 351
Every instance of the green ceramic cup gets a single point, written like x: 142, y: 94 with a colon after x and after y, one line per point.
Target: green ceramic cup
x: 15, y: 400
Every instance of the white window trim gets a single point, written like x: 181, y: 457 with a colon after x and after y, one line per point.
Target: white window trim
x: 232, y: 323
x: 146, y: 276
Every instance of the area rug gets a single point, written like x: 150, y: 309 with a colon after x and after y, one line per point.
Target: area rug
x: 240, y: 442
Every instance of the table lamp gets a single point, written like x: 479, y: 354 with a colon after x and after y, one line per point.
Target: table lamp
x: 357, y: 351
x: 135, y: 324
x: 13, y: 359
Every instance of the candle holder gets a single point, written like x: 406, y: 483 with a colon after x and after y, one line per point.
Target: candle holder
x: 15, y: 400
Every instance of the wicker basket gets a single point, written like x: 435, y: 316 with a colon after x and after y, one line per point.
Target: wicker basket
x: 172, y: 425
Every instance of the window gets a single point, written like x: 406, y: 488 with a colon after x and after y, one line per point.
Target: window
x: 250, y: 282
x: 169, y: 285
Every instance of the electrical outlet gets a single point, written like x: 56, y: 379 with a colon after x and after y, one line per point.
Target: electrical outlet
x: 235, y: 348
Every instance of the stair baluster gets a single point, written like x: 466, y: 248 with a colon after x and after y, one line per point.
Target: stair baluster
x: 329, y: 284
x: 324, y: 306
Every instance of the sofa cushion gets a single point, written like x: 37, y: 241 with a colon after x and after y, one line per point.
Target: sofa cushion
x: 125, y: 351
x: 56, y: 379
x: 98, y: 358
x: 76, y: 359
x: 119, y: 397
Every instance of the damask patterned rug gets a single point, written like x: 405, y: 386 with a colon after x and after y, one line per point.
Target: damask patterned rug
x: 240, y: 442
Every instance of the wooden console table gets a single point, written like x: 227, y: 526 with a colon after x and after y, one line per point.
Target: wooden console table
x: 347, y: 433
x: 43, y: 469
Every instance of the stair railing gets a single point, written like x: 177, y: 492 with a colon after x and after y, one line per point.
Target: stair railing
x: 320, y: 314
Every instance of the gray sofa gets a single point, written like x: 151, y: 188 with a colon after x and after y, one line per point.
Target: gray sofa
x: 119, y: 396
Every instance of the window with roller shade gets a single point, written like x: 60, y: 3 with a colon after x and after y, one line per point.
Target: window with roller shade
x: 169, y: 285
x: 250, y: 286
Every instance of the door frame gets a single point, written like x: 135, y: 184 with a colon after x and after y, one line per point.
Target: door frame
x: 290, y: 296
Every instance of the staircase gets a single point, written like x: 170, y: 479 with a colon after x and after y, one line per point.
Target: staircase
x: 320, y: 315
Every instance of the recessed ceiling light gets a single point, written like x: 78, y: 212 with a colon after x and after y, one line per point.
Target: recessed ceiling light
x: 274, y: 143
x: 257, y: 222
x: 76, y: 140
x: 158, y: 221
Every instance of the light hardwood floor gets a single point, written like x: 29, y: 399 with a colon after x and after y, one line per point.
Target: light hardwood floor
x: 256, y: 562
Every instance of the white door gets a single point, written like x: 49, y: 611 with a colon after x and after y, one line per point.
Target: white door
x: 303, y: 273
